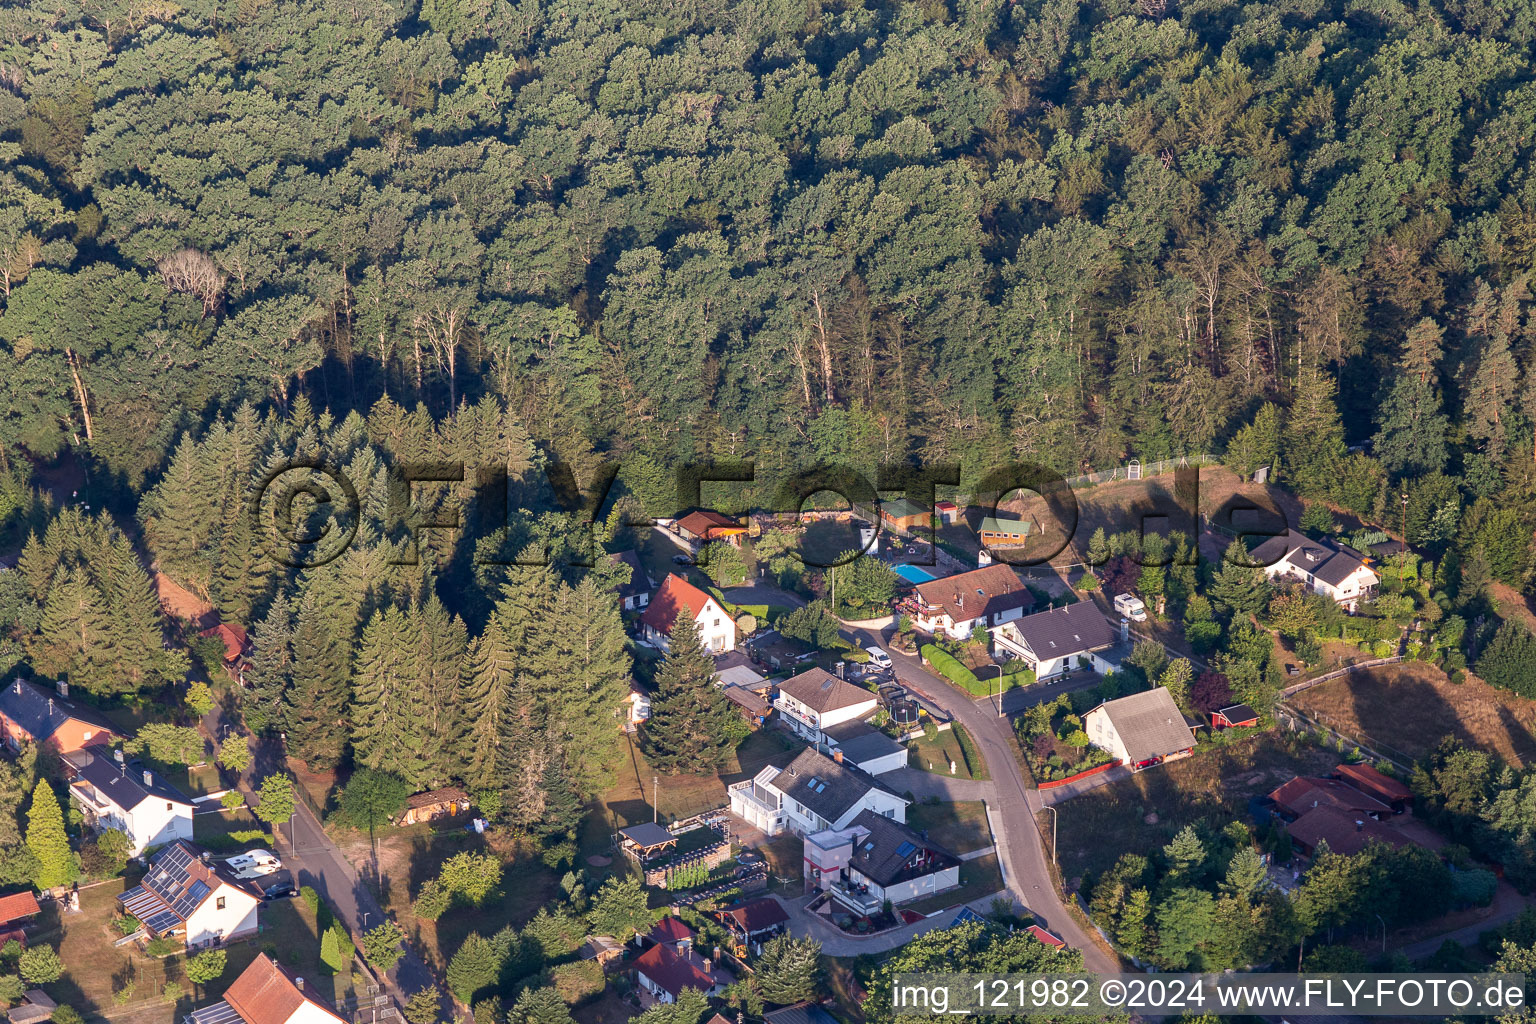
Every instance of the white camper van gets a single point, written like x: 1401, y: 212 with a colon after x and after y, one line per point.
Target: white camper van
x: 1131, y: 607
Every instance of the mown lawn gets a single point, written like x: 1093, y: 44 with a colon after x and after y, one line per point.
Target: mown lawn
x: 959, y: 827
x: 954, y: 744
x: 1140, y: 814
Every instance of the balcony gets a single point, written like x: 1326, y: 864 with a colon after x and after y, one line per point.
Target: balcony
x: 856, y: 898
x: 759, y: 806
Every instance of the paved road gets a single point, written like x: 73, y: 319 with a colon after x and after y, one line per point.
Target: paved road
x: 317, y: 862
x: 1020, y: 848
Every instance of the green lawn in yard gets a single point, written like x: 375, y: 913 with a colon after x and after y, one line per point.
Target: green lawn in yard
x: 1142, y: 813
x: 978, y: 878
x: 936, y: 754
x: 198, y: 781
x: 221, y: 823
x: 95, y: 970
x: 959, y: 827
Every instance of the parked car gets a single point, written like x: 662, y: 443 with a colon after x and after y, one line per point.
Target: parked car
x: 1131, y: 607
x: 878, y: 657
x: 682, y: 560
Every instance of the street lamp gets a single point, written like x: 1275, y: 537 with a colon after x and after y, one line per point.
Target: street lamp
x: 1055, y: 823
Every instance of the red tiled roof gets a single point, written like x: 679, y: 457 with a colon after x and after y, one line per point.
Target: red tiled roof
x: 1301, y: 795
x: 267, y: 994
x: 1345, y: 833
x: 981, y: 591
x: 670, y: 972
x: 675, y: 594
x: 1045, y: 936
x: 757, y: 915
x: 17, y: 906
x: 235, y: 640
x: 1367, y: 779
x: 706, y: 525
x: 670, y: 929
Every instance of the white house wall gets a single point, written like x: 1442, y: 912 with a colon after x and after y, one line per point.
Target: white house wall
x: 208, y: 922
x: 888, y: 763
x: 914, y: 888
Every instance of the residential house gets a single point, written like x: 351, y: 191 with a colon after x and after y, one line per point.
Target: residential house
x: 15, y: 910
x: 434, y: 804
x: 1322, y: 566
x: 905, y: 515
x: 1298, y: 796
x: 1345, y: 833
x: 755, y: 922
x: 186, y: 893
x: 815, y: 700
x: 800, y: 1013
x: 874, y: 859
x: 1141, y: 730
x: 665, y: 974
x: 135, y: 801
x: 717, y: 630
x: 1003, y: 533
x: 635, y: 588
x: 237, y: 647
x: 31, y: 714
x: 865, y: 747
x: 1057, y: 641
x: 266, y: 993
x: 811, y: 794
x: 703, y: 526
x: 1238, y: 716
x: 1367, y: 779
x: 669, y: 931
x: 988, y: 597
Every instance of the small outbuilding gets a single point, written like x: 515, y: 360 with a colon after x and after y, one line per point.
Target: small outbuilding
x: 434, y: 804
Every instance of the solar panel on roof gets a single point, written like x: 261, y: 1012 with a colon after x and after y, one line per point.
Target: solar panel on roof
x: 219, y: 1013
x: 162, y: 921
x: 188, y: 902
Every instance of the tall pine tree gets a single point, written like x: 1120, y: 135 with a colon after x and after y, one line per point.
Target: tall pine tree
x: 271, y: 670
x: 315, y: 706
x: 47, y: 839
x: 692, y: 727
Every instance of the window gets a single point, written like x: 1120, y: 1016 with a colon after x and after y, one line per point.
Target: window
x: 717, y: 623
x: 168, y: 806
x: 219, y: 903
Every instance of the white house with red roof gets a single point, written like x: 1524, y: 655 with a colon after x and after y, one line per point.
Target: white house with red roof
x: 266, y: 993
x: 717, y: 630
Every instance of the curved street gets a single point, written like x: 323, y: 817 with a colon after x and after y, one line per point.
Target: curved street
x: 1020, y: 846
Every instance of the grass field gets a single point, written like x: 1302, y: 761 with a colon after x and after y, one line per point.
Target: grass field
x: 1140, y: 814
x: 936, y: 754
x: 959, y: 827
x: 1408, y: 708
x: 94, y: 969
x: 978, y: 878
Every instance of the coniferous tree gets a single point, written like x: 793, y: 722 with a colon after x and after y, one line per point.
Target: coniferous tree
x: 1312, y: 446
x: 587, y: 640
x: 389, y: 724
x: 486, y: 696
x: 271, y: 671
x: 442, y: 662
x: 1237, y: 586
x: 315, y: 707
x: 692, y: 726
x: 47, y: 839
x: 789, y: 970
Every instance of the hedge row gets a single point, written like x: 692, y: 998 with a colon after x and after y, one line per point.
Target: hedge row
x: 950, y: 668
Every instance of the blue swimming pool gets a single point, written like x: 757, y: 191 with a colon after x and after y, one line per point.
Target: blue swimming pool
x: 912, y: 574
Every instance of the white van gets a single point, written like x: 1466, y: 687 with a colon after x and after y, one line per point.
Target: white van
x: 1131, y: 607
x: 878, y: 657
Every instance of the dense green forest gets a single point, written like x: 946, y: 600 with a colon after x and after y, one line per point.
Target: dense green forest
x: 789, y: 230
x: 1295, y: 234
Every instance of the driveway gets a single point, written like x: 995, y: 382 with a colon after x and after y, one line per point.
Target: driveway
x: 317, y: 862
x: 1020, y: 850
x: 760, y: 591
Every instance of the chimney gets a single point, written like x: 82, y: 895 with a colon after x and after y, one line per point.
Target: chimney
x: 118, y: 755
x: 706, y: 965
x: 1125, y: 628
x: 62, y: 687
x: 50, y: 705
x: 1359, y: 825
x: 205, y: 855
x: 148, y: 779
x: 837, y: 755
x: 299, y: 982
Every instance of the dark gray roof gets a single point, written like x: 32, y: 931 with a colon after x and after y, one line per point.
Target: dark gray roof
x: 821, y: 691
x: 860, y: 741
x: 124, y: 786
x: 826, y: 787
x: 638, y: 583
x: 40, y: 712
x: 647, y: 833
x: 1075, y: 629
x: 1324, y: 560
x: 886, y: 856
x: 746, y: 699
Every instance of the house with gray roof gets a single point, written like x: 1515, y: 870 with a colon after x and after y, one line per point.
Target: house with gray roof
x: 1059, y: 640
x: 810, y: 794
x: 1141, y: 730
x: 130, y: 798
x: 815, y: 700
x: 875, y: 859
x: 31, y: 714
x: 1324, y: 567
x: 863, y: 746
